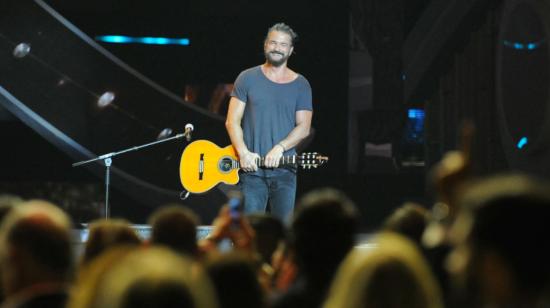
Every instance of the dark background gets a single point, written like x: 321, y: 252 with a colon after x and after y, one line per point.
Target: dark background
x: 227, y: 38
x: 443, y: 57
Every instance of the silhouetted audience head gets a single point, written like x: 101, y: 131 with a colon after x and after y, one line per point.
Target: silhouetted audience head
x: 409, y: 220
x: 269, y: 232
x: 323, y: 232
x: 176, y: 227
x: 83, y: 293
x: 7, y: 202
x: 155, y: 277
x: 107, y: 233
x: 501, y: 254
x: 35, y: 249
x: 392, y: 274
x: 235, y: 279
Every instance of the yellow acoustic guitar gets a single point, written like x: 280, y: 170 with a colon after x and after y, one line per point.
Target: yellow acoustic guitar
x: 204, y: 165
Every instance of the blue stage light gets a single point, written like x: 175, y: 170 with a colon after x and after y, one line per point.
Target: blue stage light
x: 522, y: 143
x: 119, y: 39
x: 522, y: 46
x: 122, y: 39
x: 147, y: 40
x: 416, y: 114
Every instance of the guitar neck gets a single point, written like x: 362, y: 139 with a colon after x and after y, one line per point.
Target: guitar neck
x: 283, y: 161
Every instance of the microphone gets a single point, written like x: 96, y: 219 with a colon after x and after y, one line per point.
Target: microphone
x: 188, y: 130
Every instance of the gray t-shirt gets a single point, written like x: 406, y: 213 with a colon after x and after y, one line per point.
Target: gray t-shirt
x: 270, y: 112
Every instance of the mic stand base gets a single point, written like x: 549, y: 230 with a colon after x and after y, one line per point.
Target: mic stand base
x: 108, y: 161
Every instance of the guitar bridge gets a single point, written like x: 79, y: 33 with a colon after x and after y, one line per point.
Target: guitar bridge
x: 201, y: 166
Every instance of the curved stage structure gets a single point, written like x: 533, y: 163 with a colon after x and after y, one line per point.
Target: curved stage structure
x: 53, y: 76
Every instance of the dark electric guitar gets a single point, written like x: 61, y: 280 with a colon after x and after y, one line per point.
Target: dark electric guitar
x: 203, y: 165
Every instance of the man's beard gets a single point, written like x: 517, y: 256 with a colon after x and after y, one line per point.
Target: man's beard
x: 274, y: 62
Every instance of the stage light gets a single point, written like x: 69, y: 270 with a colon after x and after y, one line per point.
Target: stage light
x: 61, y: 82
x: 105, y: 99
x: 522, y: 143
x: 119, y: 39
x: 522, y: 46
x: 21, y: 50
x: 165, y: 133
x: 416, y: 114
x: 148, y: 40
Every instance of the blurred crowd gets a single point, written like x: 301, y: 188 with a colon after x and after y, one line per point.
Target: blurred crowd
x: 481, y: 244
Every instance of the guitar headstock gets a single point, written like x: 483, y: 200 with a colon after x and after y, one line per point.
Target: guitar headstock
x: 311, y: 160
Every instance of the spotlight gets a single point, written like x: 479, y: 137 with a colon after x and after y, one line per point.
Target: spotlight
x: 61, y: 82
x: 522, y: 143
x: 149, y: 40
x: 105, y: 99
x: 165, y: 133
x: 21, y: 50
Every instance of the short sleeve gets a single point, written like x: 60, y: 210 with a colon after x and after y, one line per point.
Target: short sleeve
x: 304, y: 97
x: 240, y: 88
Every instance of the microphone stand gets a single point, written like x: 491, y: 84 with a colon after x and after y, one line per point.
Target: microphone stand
x: 108, y: 161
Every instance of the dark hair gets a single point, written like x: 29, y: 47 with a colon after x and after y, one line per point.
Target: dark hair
x: 176, y: 227
x: 235, y: 280
x: 164, y: 293
x: 269, y: 231
x: 510, y: 216
x: 42, y: 230
x: 48, y: 243
x: 323, y: 232
x: 282, y: 27
x: 410, y: 220
x: 104, y: 234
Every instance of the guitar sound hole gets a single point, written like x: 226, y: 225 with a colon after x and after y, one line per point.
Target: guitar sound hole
x: 225, y: 164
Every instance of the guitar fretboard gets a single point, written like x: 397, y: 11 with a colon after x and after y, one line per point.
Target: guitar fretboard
x: 284, y: 161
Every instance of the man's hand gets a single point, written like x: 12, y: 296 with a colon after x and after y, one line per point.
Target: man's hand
x: 273, y: 158
x: 248, y: 161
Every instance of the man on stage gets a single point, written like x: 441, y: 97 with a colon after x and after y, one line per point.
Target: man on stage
x: 269, y: 113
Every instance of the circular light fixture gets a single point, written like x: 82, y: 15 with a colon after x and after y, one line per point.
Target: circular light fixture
x: 105, y: 99
x: 21, y: 50
x: 165, y: 133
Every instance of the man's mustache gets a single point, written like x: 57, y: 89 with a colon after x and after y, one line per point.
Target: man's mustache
x: 276, y: 52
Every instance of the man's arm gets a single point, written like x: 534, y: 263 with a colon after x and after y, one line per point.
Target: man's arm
x: 235, y: 131
x: 299, y: 133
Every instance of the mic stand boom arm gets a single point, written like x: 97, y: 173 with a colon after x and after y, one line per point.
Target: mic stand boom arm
x: 108, y: 160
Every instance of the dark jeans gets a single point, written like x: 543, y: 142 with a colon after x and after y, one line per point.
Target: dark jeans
x: 280, y: 190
